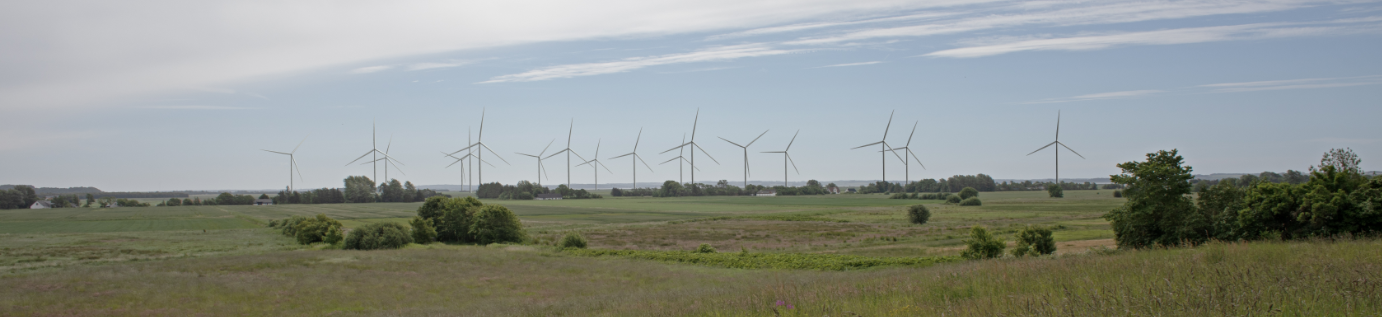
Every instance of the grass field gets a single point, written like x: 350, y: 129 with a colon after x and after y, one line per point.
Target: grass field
x: 220, y: 260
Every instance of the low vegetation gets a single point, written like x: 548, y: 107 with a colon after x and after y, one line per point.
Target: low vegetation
x: 376, y: 236
x: 755, y: 260
x: 574, y: 241
x: 971, y: 201
x: 1034, y: 241
x: 918, y: 214
x: 982, y: 245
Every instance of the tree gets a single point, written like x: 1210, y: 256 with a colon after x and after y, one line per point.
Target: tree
x: 671, y: 189
x: 359, y: 189
x: 1055, y: 191
x: 1295, y: 177
x: 1221, y: 204
x: 982, y: 245
x: 458, y: 215
x: 90, y: 199
x: 1157, y: 211
x: 423, y: 231
x: 968, y: 192
x: 918, y: 214
x: 1343, y: 161
x: 496, y: 224
x: 1034, y: 241
x: 312, y: 230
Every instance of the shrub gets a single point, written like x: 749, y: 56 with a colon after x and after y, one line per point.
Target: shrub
x: 423, y: 231
x: 968, y: 192
x: 289, y: 226
x: 952, y: 199
x: 1117, y: 194
x: 496, y: 224
x: 971, y: 201
x: 1034, y: 241
x: 982, y: 245
x: 573, y: 240
x: 918, y: 214
x: 456, y: 217
x: 705, y: 248
x: 382, y: 235
x: 898, y: 196
x: 1055, y: 190
x: 309, y: 230
x: 333, y: 236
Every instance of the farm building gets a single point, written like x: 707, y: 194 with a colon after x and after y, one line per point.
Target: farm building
x: 551, y: 196
x: 263, y: 202
x: 766, y: 192
x: 42, y: 204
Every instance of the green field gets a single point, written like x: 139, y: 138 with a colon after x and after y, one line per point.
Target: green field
x: 220, y: 260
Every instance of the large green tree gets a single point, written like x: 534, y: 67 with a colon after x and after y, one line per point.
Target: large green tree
x: 1158, y: 211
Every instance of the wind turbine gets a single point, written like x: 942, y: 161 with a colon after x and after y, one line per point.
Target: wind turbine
x: 1057, y: 150
x: 681, y: 164
x: 374, y: 149
x: 884, y: 146
x: 746, y: 155
x: 694, y: 147
x: 388, y: 161
x: 596, y: 161
x: 540, y: 169
x: 788, y: 158
x: 636, y: 158
x: 292, y: 163
x: 477, y: 146
x: 568, y: 152
x: 906, y: 160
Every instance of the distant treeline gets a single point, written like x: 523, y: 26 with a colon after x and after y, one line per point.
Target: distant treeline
x: 980, y: 182
x: 526, y: 190
x: 358, y: 189
x: 17, y: 197
x: 722, y: 188
x: 222, y: 199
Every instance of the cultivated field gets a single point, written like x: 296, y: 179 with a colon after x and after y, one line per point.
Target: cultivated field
x: 219, y: 260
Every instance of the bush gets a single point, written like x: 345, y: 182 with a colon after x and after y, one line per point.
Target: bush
x: 314, y: 230
x: 523, y: 196
x: 918, y: 214
x: 952, y: 199
x: 333, y: 236
x: 1034, y: 241
x: 382, y: 235
x: 496, y: 224
x: 423, y: 231
x: 705, y: 248
x: 968, y: 192
x: 1117, y: 194
x: 982, y: 245
x: 971, y: 201
x: 455, y: 217
x: 573, y: 240
x: 1055, y: 190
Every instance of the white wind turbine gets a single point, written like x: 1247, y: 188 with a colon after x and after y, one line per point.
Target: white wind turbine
x: 1057, y: 150
x: 693, y: 147
x: 568, y: 152
x: 681, y: 165
x: 292, y: 163
x: 387, y: 161
x: 477, y: 147
x: 786, y: 158
x: 906, y: 160
x: 746, y: 154
x: 636, y: 158
x: 884, y: 146
x: 593, y: 164
x: 374, y: 150
x: 542, y: 171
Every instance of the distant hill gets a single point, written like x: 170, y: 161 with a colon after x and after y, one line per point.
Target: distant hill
x: 58, y: 191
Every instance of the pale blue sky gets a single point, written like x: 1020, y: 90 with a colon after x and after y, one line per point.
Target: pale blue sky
x: 126, y: 97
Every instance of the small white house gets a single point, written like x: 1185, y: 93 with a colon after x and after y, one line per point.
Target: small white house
x: 42, y: 204
x: 550, y: 196
x: 766, y: 192
x: 263, y: 202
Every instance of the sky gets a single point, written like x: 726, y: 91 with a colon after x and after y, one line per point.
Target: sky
x: 176, y: 95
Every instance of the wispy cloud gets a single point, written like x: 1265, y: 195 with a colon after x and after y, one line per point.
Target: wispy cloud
x: 1305, y: 83
x: 719, y: 53
x: 1160, y: 37
x: 1098, y: 96
x: 196, y: 107
x: 851, y: 64
x: 425, y: 66
x: 370, y: 69
x: 821, y: 25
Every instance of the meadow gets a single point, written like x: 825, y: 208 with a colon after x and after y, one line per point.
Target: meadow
x: 822, y: 255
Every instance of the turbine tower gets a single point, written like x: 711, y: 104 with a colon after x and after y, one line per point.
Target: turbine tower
x: 1057, y: 150
x: 694, y: 147
x: 680, y: 164
x: 568, y: 152
x: 593, y: 165
x: 292, y: 163
x: 884, y: 146
x: 540, y: 169
x: 636, y: 158
x: 477, y: 147
x: 787, y: 157
x: 374, y: 150
x: 746, y: 155
x: 388, y: 161
x: 906, y: 160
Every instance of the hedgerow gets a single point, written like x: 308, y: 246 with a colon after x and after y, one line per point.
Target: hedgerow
x: 794, y: 261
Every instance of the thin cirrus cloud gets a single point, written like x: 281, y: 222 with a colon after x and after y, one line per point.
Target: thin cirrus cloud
x: 370, y: 69
x: 851, y: 64
x: 1305, y: 83
x: 1100, y: 96
x: 712, y: 54
x: 1159, y: 37
x: 196, y: 107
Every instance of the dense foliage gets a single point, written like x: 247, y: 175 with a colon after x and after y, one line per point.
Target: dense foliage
x: 968, y: 192
x: 310, y: 230
x: 971, y: 201
x: 982, y: 245
x: 1157, y: 212
x: 359, y: 189
x: 496, y: 224
x: 19, y: 197
x: 379, y: 235
x: 423, y: 230
x: 918, y: 214
x: 526, y: 190
x: 1034, y: 241
x: 792, y: 261
x: 467, y: 220
x: 573, y: 240
x: 952, y: 199
x: 724, y: 188
x: 1055, y: 191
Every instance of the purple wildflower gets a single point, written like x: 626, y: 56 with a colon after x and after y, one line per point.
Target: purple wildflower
x: 779, y: 302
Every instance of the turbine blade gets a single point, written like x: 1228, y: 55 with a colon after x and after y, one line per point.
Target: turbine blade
x: 620, y: 156
x: 297, y: 168
x: 386, y: 155
x: 694, y: 124
x: 794, y: 140
x: 544, y: 149
x: 636, y: 140
x: 602, y: 164
x: 889, y: 126
x: 870, y: 144
x: 707, y: 154
x: 731, y: 142
x: 358, y: 158
x: 295, y: 148
x: 760, y: 135
x: 676, y: 147
x: 775, y: 152
x: 276, y: 152
x: 544, y: 169
x: 390, y: 146
x: 1043, y: 148
x: 914, y: 133
x: 794, y: 162
x: 454, y: 163
x: 528, y: 155
x: 501, y: 158
x: 578, y: 155
x: 555, y: 154
x: 645, y: 163
x: 1068, y: 148
x: 667, y: 161
x: 400, y: 170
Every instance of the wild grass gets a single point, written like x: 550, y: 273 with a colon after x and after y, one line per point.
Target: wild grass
x: 752, y: 260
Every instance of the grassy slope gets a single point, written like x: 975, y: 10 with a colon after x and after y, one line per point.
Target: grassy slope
x: 1343, y: 278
